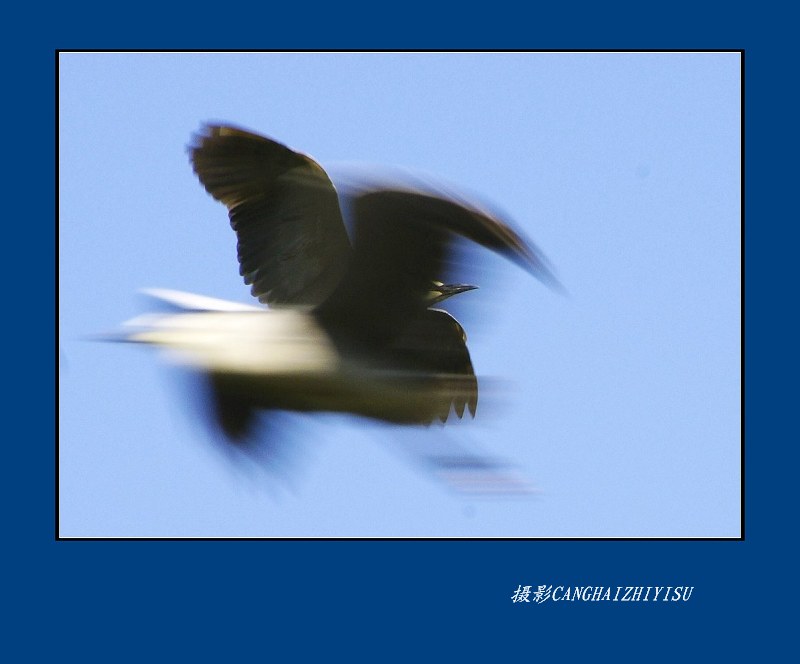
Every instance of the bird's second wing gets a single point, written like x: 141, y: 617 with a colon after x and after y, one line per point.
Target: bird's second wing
x: 434, y: 344
x: 292, y: 244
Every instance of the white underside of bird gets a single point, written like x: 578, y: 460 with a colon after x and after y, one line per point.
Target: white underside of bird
x: 249, y: 342
x: 282, y: 357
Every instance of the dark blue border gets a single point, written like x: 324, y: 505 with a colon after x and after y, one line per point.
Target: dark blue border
x: 401, y: 598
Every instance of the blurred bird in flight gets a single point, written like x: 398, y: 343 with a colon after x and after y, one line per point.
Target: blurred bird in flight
x: 351, y: 283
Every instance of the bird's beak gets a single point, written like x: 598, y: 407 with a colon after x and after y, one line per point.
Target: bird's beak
x: 443, y: 291
x: 455, y: 289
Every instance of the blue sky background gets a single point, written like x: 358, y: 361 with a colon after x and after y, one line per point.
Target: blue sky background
x: 620, y: 403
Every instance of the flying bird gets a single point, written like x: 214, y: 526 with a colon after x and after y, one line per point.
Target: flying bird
x: 346, y: 281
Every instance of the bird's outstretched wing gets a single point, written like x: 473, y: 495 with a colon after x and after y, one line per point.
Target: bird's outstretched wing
x: 293, y: 247
x: 403, y: 241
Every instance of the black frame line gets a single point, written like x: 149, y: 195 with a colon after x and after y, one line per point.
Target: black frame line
x: 741, y: 537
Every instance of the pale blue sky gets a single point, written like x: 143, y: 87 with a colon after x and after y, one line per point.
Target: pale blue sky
x: 620, y: 403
